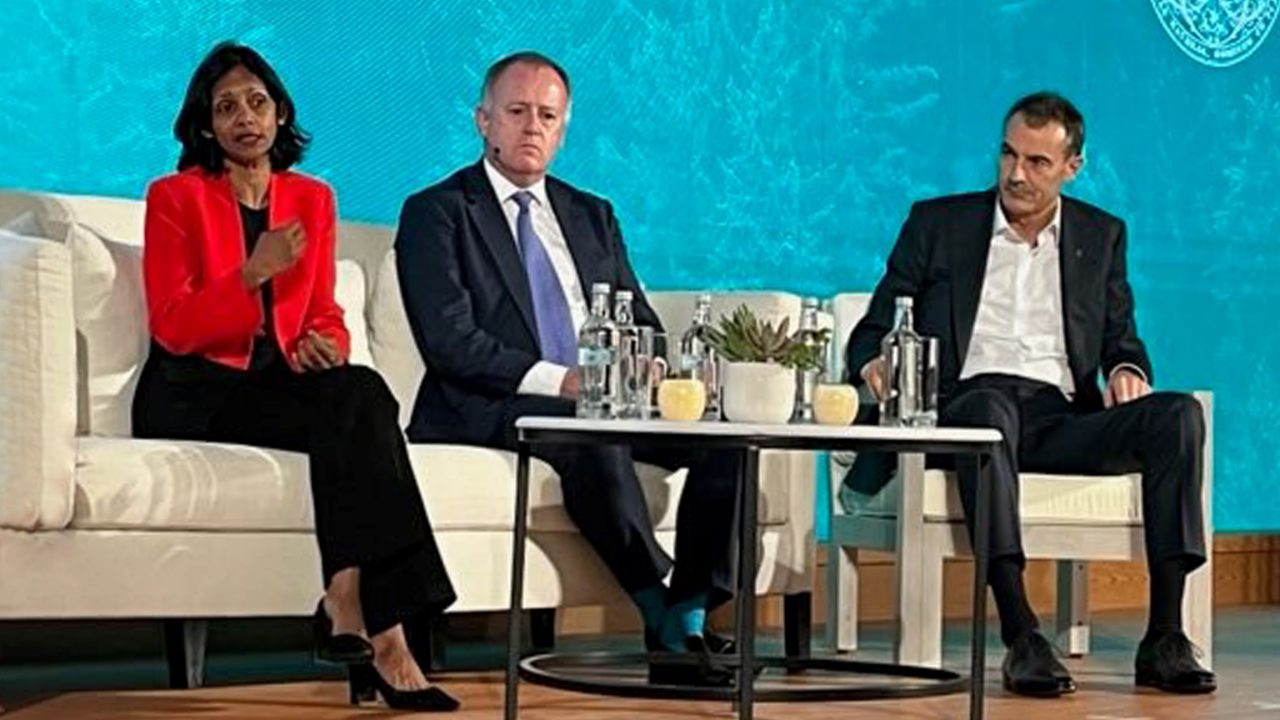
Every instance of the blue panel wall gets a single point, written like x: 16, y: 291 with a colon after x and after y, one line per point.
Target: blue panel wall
x: 745, y: 143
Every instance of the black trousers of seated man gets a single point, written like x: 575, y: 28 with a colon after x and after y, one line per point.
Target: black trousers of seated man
x: 1160, y: 435
x: 603, y: 498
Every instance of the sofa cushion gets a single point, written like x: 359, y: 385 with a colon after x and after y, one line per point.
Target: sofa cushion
x: 37, y: 386
x: 174, y: 485
x: 111, y: 329
x: 473, y: 488
x: 395, y: 353
x: 120, y: 219
x: 349, y: 292
x: 1044, y: 499
x: 178, y: 485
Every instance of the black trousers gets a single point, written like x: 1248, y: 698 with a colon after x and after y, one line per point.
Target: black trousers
x: 368, y: 509
x: 603, y: 498
x: 1160, y: 436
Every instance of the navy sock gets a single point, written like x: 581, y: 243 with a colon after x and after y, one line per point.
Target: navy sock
x: 652, y: 602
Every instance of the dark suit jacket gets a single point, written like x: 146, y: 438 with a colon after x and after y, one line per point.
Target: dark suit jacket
x: 468, y: 299
x: 940, y: 260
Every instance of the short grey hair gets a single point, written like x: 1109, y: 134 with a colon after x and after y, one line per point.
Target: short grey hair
x: 530, y: 57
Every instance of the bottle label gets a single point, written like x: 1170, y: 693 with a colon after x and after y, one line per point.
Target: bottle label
x: 590, y: 357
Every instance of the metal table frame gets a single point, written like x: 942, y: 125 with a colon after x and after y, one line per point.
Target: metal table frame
x: 750, y: 440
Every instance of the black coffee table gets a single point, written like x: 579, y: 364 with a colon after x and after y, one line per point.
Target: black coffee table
x: 572, y: 671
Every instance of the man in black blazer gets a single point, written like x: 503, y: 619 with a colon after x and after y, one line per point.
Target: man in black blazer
x: 494, y: 263
x: 1027, y: 291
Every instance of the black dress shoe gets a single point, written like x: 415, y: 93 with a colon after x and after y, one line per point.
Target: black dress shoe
x: 367, y: 684
x: 1168, y: 662
x: 719, y: 644
x: 716, y: 644
x: 695, y: 666
x: 346, y: 648
x: 1031, y: 668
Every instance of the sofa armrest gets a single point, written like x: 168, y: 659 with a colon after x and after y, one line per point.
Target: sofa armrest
x: 37, y: 384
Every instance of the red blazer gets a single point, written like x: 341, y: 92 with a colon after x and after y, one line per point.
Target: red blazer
x: 191, y: 260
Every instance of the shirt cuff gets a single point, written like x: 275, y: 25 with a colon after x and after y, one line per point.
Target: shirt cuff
x: 1131, y: 367
x: 543, y: 378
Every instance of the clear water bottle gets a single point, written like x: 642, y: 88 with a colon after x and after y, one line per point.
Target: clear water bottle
x: 698, y: 357
x: 807, y: 378
x: 629, y: 401
x: 596, y: 343
x: 901, y: 350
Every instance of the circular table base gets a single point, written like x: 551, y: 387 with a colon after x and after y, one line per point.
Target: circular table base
x: 564, y: 671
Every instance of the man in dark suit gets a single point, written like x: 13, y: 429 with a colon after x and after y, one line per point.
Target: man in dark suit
x: 1027, y: 291
x: 493, y: 264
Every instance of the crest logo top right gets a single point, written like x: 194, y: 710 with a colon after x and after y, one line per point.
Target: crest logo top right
x: 1217, y: 33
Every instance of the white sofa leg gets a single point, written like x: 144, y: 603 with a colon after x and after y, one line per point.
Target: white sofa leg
x: 842, y: 598
x: 918, y: 573
x: 1073, y: 607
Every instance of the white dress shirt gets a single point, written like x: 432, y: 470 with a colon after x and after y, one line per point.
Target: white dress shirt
x: 544, y: 378
x: 1018, y: 329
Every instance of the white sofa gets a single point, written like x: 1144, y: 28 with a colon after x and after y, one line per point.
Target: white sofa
x: 95, y: 524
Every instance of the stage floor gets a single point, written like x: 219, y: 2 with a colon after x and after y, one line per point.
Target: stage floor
x: 1247, y: 662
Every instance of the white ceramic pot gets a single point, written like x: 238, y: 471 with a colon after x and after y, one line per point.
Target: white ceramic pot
x: 758, y: 392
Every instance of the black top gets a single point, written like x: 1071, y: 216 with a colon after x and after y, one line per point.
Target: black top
x: 265, y: 348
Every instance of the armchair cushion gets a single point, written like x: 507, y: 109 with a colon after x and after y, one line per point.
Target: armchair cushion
x: 1044, y: 499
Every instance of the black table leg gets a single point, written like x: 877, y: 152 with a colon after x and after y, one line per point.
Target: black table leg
x: 517, y: 581
x: 747, y: 532
x: 977, y: 679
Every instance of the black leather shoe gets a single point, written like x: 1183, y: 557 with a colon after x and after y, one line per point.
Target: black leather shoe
x: 716, y: 644
x: 367, y: 684
x: 719, y: 644
x: 1030, y: 668
x: 346, y: 648
x: 694, y: 666
x: 1168, y: 662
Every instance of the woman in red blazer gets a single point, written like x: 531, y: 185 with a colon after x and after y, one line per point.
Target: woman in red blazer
x: 249, y: 347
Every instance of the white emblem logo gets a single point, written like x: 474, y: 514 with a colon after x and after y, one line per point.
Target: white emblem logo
x: 1217, y: 33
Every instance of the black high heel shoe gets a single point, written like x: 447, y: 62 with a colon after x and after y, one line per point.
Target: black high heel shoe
x: 367, y: 684
x: 345, y: 649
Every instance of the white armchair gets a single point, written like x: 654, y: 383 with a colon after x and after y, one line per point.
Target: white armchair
x: 918, y: 516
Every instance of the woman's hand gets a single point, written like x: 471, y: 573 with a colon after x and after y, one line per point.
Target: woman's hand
x: 316, y: 352
x: 276, y: 251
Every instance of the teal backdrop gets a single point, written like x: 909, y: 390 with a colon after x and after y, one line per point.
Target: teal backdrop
x: 744, y: 143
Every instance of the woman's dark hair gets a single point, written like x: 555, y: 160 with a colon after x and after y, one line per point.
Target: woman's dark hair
x: 196, y: 116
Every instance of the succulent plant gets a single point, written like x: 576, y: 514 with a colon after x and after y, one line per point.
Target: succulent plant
x: 743, y: 337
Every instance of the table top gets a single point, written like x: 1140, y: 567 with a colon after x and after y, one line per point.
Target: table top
x: 536, y: 427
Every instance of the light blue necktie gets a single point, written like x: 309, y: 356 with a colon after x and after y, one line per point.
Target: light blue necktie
x: 550, y: 309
